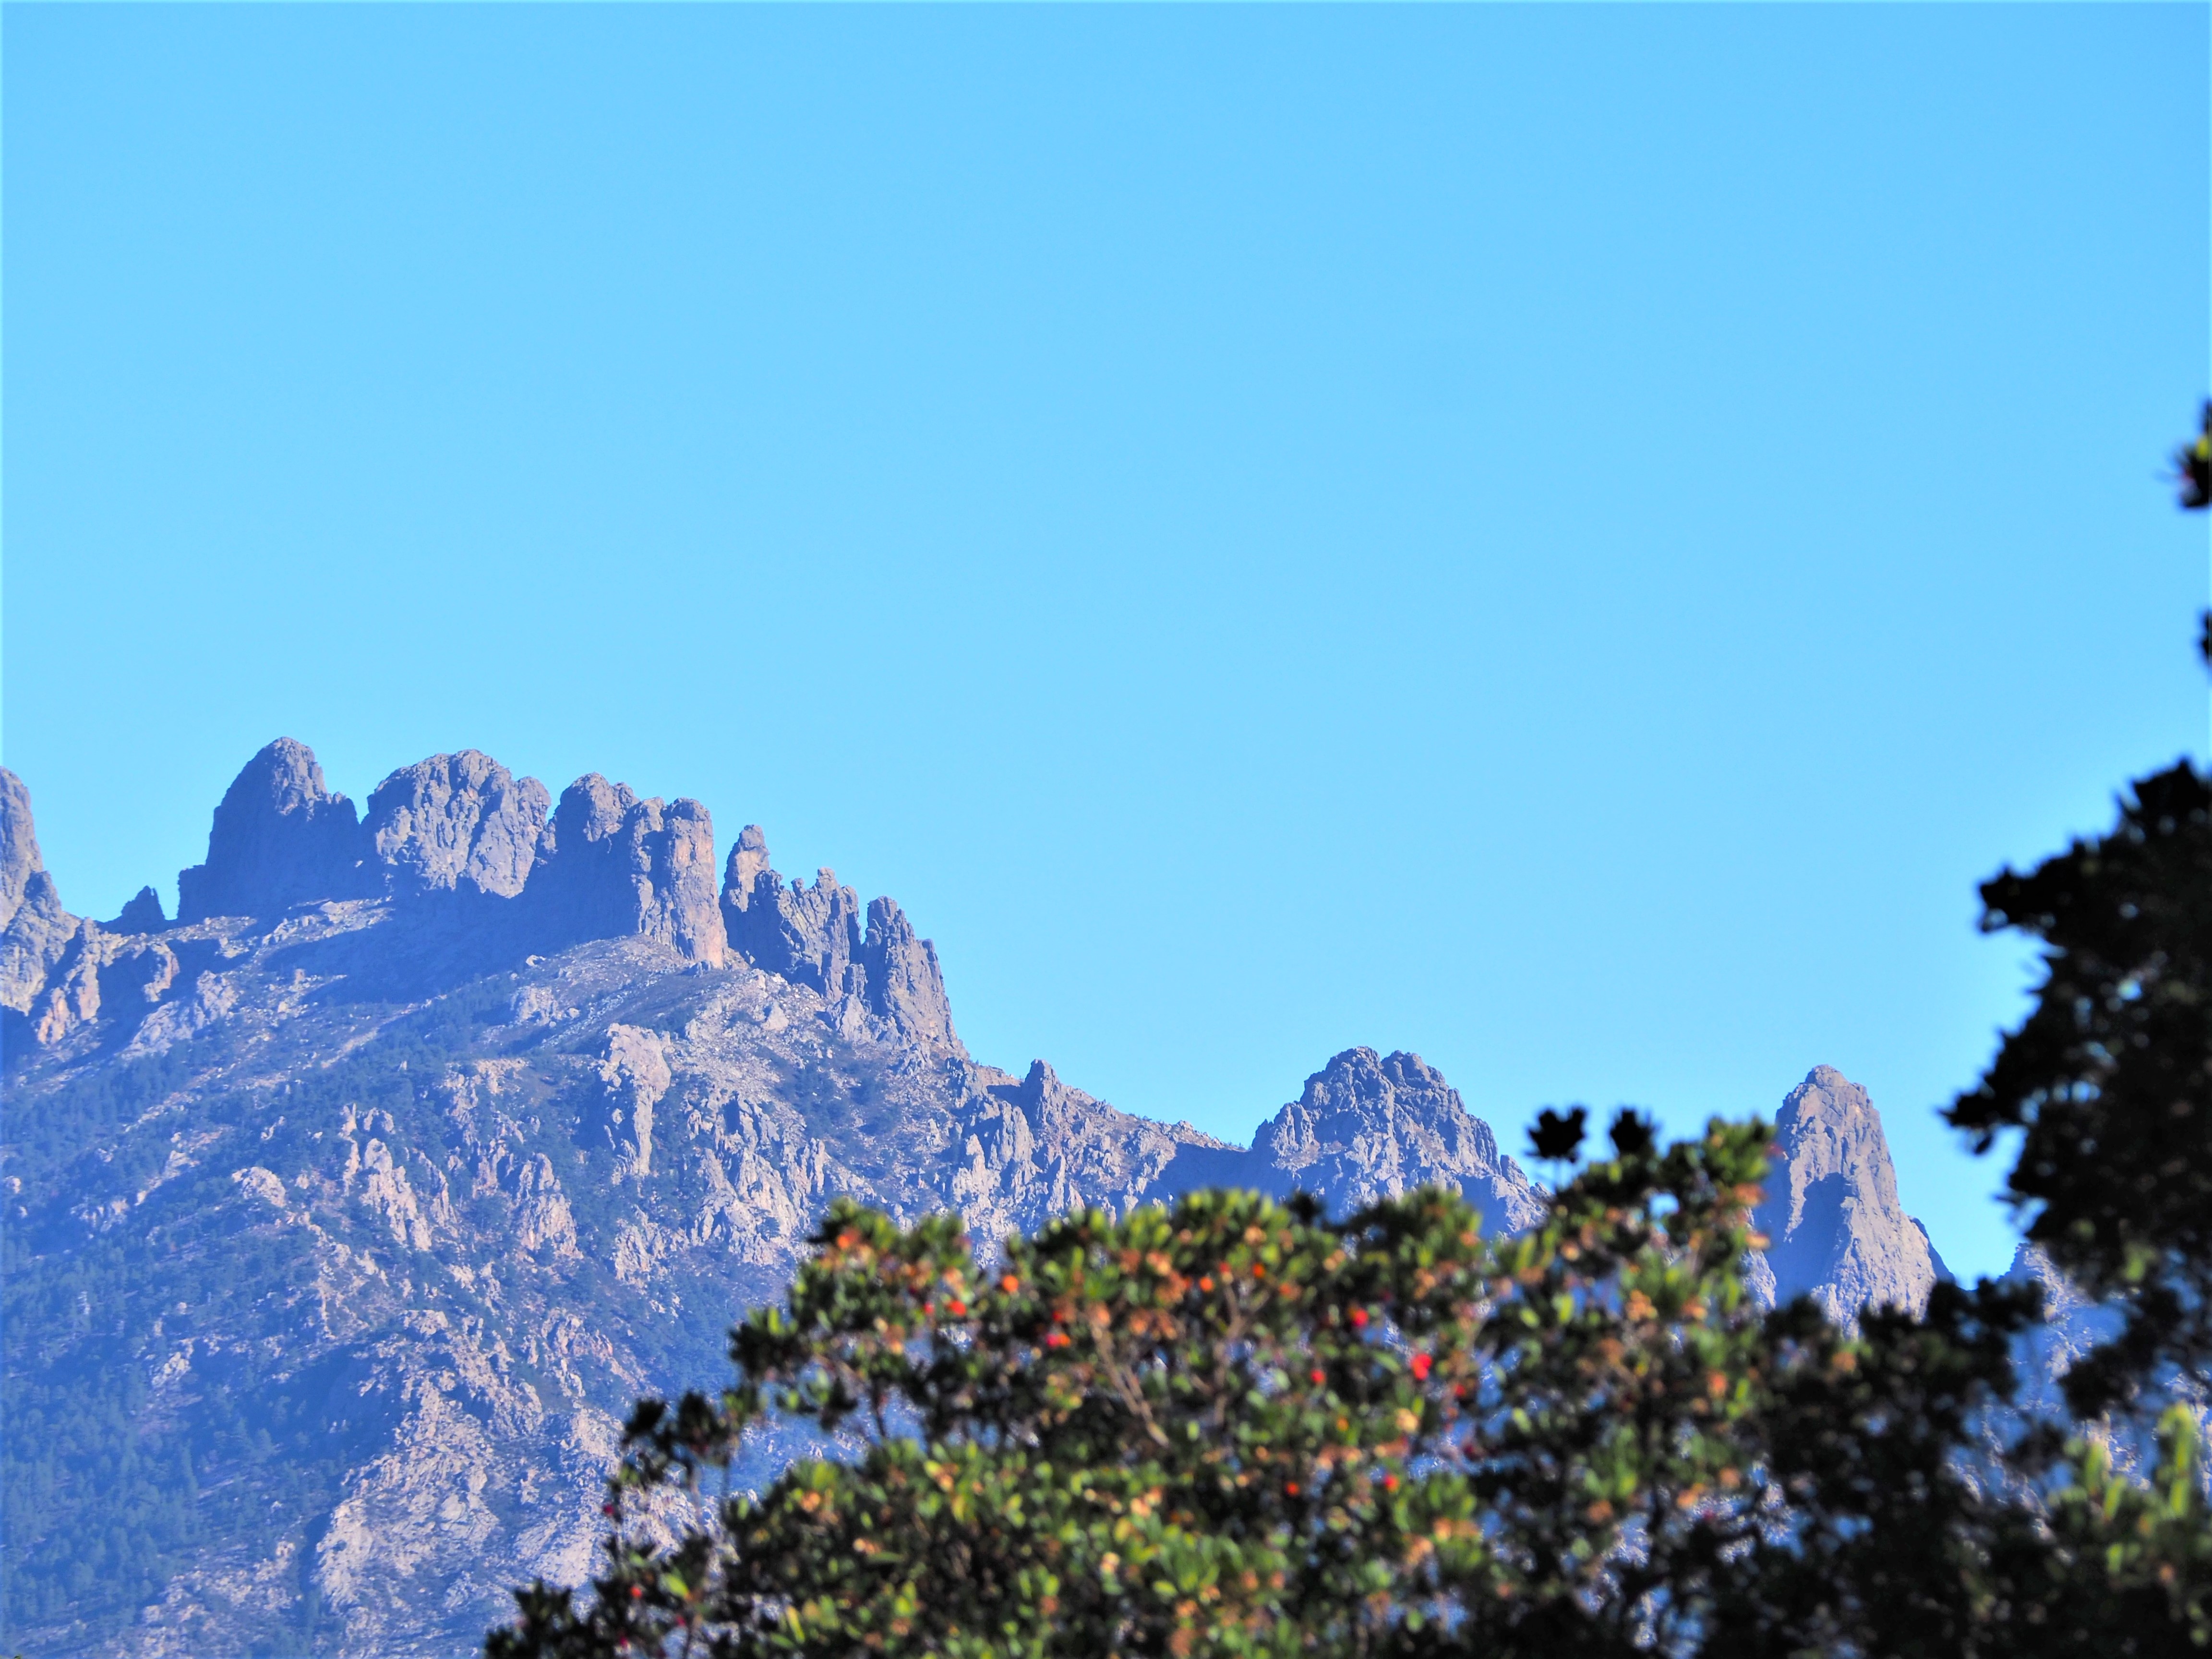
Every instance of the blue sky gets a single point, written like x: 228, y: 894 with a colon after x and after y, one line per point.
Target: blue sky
x: 1563, y: 539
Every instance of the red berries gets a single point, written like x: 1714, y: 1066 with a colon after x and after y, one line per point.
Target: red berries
x: 1320, y: 1376
x: 1421, y: 1365
x: 1359, y: 1319
x: 1056, y: 1339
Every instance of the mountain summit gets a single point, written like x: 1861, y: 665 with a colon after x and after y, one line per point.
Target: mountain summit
x: 347, y: 1212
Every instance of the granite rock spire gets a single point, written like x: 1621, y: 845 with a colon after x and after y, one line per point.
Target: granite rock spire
x: 611, y: 865
x: 458, y: 822
x: 280, y: 838
x: 1833, y: 1224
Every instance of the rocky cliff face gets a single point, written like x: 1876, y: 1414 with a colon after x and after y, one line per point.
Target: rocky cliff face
x: 19, y: 845
x: 280, y: 838
x: 1834, y: 1226
x: 347, y: 1214
x: 457, y: 822
x: 1368, y: 1126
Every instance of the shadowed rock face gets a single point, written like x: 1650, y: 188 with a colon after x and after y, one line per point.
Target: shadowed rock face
x: 280, y: 838
x: 141, y: 916
x: 33, y: 943
x: 19, y: 845
x: 809, y: 935
x: 611, y: 865
x: 1370, y: 1125
x: 1831, y: 1217
x: 456, y: 821
x: 813, y: 937
x: 36, y: 932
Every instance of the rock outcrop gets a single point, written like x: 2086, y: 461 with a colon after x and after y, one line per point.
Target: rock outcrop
x: 611, y: 865
x: 34, y: 942
x: 19, y: 845
x: 904, y: 987
x: 1832, y: 1221
x: 813, y: 936
x: 38, y: 933
x: 809, y: 935
x: 142, y: 914
x: 280, y: 838
x: 457, y: 822
x: 1368, y: 1125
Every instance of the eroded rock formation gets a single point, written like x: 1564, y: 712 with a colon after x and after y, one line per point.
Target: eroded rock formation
x: 280, y: 838
x: 458, y: 822
x: 1832, y: 1218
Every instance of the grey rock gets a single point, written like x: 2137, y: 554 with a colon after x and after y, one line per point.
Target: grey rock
x: 808, y: 935
x: 70, y: 998
x: 1369, y: 1126
x: 1833, y: 1225
x: 611, y: 865
x: 142, y: 914
x: 457, y: 821
x: 905, y: 987
x: 280, y: 838
x: 815, y: 937
x: 19, y: 845
x: 33, y: 943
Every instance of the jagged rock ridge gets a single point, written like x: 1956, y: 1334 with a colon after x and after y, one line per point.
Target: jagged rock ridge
x: 429, y: 1173
x: 1834, y: 1226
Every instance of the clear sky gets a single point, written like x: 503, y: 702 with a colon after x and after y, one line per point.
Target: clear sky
x: 1567, y: 540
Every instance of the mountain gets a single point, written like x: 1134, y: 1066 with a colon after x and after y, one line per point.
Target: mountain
x: 1834, y: 1227
x: 346, y: 1214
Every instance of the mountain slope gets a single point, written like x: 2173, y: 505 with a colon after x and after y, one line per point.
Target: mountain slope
x: 345, y: 1215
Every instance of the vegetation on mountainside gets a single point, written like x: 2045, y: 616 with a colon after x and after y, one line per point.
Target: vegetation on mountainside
x: 110, y: 1490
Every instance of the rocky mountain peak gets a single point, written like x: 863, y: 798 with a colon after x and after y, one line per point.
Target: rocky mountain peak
x: 37, y: 932
x: 1370, y: 1125
x: 904, y: 985
x: 279, y: 838
x: 142, y: 914
x: 748, y: 862
x: 611, y: 865
x: 459, y: 820
x: 1831, y: 1217
x: 19, y: 845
